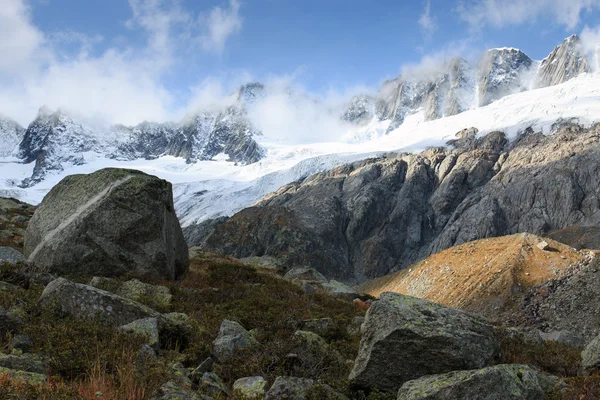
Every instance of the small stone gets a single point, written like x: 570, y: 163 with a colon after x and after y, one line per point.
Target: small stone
x: 320, y: 326
x: 231, y: 340
x: 10, y: 255
x: 543, y: 245
x: 205, y: 366
x: 146, y: 327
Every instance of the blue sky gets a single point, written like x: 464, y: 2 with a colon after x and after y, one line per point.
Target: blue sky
x: 168, y: 56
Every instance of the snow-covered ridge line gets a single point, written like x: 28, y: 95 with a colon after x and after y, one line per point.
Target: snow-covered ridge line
x: 219, y: 188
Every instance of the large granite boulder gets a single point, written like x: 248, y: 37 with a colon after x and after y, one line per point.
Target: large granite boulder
x: 88, y: 302
x: 590, y: 356
x: 500, y: 382
x: 405, y: 338
x: 109, y: 223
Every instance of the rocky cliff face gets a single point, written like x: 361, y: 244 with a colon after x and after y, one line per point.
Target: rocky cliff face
x: 11, y: 135
x: 502, y: 72
x: 565, y: 62
x: 369, y: 218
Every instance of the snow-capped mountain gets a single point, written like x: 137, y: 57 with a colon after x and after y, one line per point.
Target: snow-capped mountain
x: 11, y: 135
x: 565, y: 62
x: 220, y: 161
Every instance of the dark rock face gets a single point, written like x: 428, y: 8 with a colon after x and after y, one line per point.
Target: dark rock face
x: 369, y: 218
x: 108, y: 223
x: 405, y: 338
x: 500, y: 382
x: 502, y: 72
x: 565, y: 62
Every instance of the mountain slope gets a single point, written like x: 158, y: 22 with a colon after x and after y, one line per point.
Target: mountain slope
x: 488, y: 276
x: 565, y: 62
x: 11, y: 135
x: 369, y: 218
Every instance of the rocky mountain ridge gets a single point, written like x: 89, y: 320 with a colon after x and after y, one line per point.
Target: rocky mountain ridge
x: 372, y: 217
x: 55, y: 140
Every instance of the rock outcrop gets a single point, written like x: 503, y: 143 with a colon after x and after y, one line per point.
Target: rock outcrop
x: 372, y: 217
x: 232, y: 339
x: 405, y: 338
x: 565, y: 62
x: 502, y: 72
x: 500, y: 382
x: 109, y: 223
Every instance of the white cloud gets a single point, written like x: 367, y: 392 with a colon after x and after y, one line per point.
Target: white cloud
x: 21, y: 44
x: 590, y: 42
x: 427, y: 22
x: 502, y: 13
x: 120, y: 84
x: 220, y: 24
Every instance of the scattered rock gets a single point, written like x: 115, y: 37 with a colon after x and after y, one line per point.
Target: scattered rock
x: 543, y: 245
x: 405, y: 338
x: 250, y: 388
x: 232, y: 338
x: 10, y: 255
x: 154, y: 295
x: 530, y: 336
x: 500, y: 382
x: 83, y: 301
x: 146, y: 327
x: 289, y: 388
x: 319, y: 326
x: 336, y: 288
x: 212, y: 384
x: 590, y: 356
x: 110, y: 222
x: 311, y: 343
x: 564, y: 337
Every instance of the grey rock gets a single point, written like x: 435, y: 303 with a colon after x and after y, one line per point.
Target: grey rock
x: 339, y: 289
x: 311, y: 343
x: 564, y: 337
x: 502, y: 72
x: 83, y: 301
x: 320, y: 326
x: 500, y: 382
x: 355, y: 326
x: 196, y: 234
x: 250, y: 388
x: 108, y: 223
x: 565, y: 62
x: 305, y: 274
x: 155, y: 296
x: 232, y: 339
x: 10, y: 255
x: 590, y: 356
x: 210, y: 383
x: 289, y: 388
x: 405, y: 338
x: 146, y: 327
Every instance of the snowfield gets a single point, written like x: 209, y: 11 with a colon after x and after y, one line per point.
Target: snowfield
x: 208, y: 189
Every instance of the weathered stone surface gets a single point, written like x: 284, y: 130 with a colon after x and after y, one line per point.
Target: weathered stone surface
x: 231, y: 340
x: 502, y: 72
x: 289, y: 388
x: 109, y: 223
x: 566, y: 61
x: 320, y: 326
x: 590, y: 356
x: 250, y: 388
x: 85, y: 301
x: 355, y: 326
x: 305, y: 274
x: 10, y: 255
x: 146, y: 327
x: 154, y: 295
x: 564, y: 337
x: 372, y: 217
x: 405, y: 338
x: 212, y: 384
x: 311, y: 343
x: 500, y: 382
x: 339, y: 289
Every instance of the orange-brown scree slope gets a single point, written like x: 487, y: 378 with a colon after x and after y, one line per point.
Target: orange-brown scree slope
x: 486, y: 276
